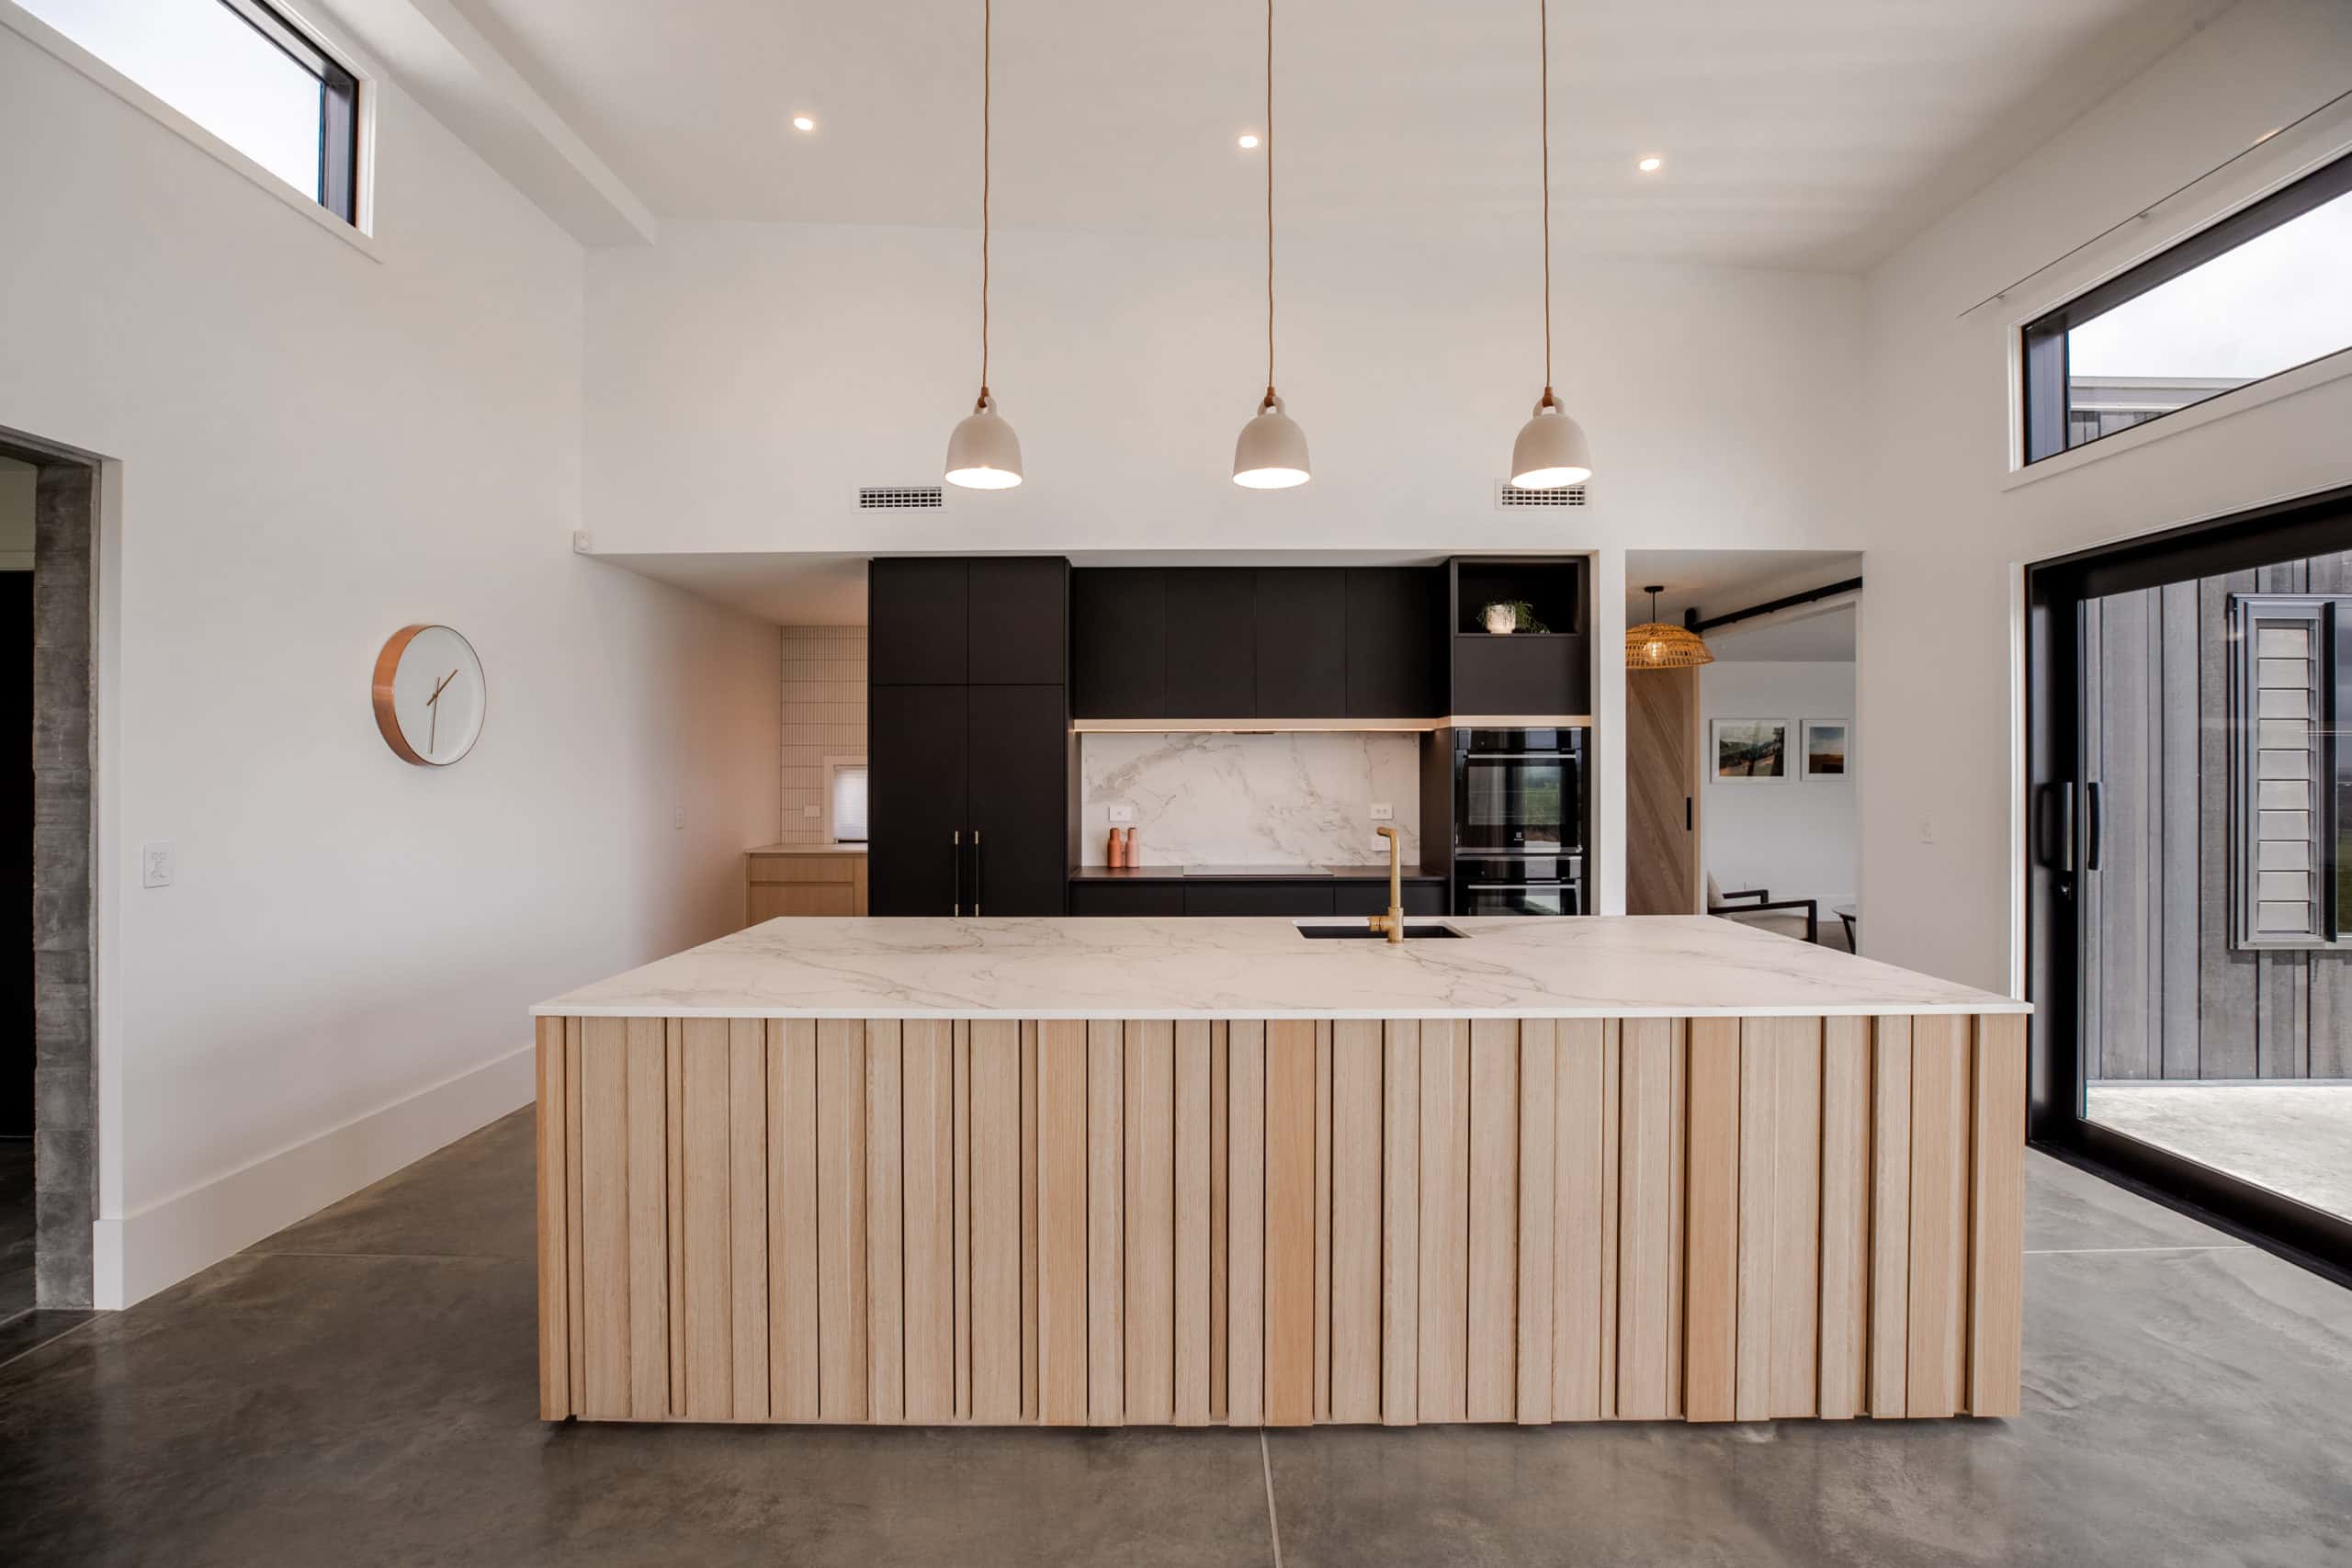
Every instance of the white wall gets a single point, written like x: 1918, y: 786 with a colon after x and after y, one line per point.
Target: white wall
x: 1948, y: 542
x: 744, y: 379
x: 1795, y: 837
x: 309, y: 447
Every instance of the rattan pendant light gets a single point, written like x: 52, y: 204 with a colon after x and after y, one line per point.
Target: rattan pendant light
x: 1655, y: 645
x: 983, y: 453
x: 1271, y: 451
x: 1550, y: 452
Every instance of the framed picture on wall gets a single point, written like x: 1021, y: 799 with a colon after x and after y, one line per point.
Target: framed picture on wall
x: 1751, y: 750
x: 1826, y: 748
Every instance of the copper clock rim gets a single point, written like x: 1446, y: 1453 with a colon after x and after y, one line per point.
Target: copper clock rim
x: 388, y: 664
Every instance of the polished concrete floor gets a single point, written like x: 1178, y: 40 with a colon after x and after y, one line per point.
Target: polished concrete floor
x: 358, y: 1390
x: 2294, y: 1138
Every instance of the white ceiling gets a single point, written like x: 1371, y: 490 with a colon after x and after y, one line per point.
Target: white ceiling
x: 1800, y: 132
x: 789, y: 590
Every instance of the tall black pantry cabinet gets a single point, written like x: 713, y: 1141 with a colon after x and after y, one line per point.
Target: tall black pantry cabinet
x: 969, y: 753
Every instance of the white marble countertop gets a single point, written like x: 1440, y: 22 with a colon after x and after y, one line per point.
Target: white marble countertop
x: 807, y: 850
x: 1665, y: 965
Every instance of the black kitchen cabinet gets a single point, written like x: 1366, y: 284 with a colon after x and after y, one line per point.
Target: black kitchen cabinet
x: 1212, y: 643
x: 1118, y: 643
x: 1018, y: 621
x: 1275, y: 643
x: 915, y: 799
x: 1016, y: 799
x: 1522, y: 674
x: 1231, y: 899
x: 1514, y: 676
x: 1126, y: 898
x: 1395, y: 659
x: 1421, y: 897
x: 1301, y: 616
x: 996, y: 620
x: 917, y: 625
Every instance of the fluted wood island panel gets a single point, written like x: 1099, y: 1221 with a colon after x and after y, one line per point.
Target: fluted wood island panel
x: 1243, y: 1221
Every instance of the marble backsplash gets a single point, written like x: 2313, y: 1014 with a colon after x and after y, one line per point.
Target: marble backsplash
x: 1290, y: 799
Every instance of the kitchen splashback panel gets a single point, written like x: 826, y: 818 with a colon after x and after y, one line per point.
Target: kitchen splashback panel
x: 1272, y: 800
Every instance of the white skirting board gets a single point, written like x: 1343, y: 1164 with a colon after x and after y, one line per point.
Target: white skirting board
x: 138, y: 1255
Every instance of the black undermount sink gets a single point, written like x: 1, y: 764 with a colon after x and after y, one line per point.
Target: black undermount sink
x: 1414, y: 932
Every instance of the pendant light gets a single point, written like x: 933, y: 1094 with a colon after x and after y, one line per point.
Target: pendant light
x: 1550, y: 453
x: 983, y: 453
x: 1272, y: 452
x: 1655, y: 645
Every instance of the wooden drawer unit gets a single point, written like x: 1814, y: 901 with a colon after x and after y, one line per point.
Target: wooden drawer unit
x: 780, y: 883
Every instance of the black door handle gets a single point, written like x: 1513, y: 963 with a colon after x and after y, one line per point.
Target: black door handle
x: 975, y: 871
x: 2053, y: 827
x: 958, y: 852
x: 1686, y: 813
x: 2094, y: 816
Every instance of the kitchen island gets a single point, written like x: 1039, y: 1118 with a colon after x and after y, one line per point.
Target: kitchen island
x: 1101, y: 1172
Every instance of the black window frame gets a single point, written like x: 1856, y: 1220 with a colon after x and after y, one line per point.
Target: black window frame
x: 2048, y: 373
x: 337, y: 188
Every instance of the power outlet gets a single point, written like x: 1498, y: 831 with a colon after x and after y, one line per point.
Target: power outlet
x: 158, y: 864
x: 1121, y: 816
x: 678, y: 817
x: 1382, y: 812
x: 584, y: 543
x: 1927, y: 831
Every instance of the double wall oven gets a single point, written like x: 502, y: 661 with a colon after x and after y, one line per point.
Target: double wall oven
x: 1519, y: 821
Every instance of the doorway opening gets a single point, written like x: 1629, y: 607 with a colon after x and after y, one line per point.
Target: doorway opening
x: 2190, y: 879
x: 47, y: 1062
x: 1740, y: 765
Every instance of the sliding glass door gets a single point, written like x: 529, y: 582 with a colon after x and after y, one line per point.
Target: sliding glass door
x: 2191, y: 880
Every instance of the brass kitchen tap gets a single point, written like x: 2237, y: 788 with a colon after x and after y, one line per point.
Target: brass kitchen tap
x: 1393, y: 922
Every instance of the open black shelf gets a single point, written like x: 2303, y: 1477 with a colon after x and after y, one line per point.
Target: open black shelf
x: 1552, y: 586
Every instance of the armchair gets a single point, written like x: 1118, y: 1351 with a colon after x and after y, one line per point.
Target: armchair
x: 1759, y: 900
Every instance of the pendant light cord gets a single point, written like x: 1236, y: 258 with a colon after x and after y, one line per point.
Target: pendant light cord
x: 987, y: 35
x: 1543, y: 34
x: 1270, y: 209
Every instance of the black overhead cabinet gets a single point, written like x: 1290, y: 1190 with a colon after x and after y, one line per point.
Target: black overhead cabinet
x: 970, y: 754
x: 1529, y: 675
x: 1271, y: 642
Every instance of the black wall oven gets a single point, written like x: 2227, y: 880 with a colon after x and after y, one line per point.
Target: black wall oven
x: 1519, y: 821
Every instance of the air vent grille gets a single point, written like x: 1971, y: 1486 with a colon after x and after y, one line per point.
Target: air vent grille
x: 900, y: 498
x: 1509, y: 497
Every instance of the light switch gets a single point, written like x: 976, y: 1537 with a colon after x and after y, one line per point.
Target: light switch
x: 157, y: 865
x: 1122, y: 814
x: 1927, y: 832
x: 678, y: 817
x: 1382, y: 812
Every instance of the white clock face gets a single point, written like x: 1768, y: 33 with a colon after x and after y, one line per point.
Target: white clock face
x: 437, y: 695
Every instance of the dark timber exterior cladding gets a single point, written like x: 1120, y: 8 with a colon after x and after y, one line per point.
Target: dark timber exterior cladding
x: 2166, y: 994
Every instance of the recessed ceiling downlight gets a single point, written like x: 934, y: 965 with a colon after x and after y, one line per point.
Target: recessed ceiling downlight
x: 1248, y: 141
x: 802, y: 122
x: 1651, y: 166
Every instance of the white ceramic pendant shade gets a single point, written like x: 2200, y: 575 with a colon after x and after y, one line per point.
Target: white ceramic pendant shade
x: 984, y: 453
x: 1271, y: 451
x: 1550, y: 453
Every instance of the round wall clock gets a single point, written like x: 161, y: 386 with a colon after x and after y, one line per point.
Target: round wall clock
x: 429, y: 695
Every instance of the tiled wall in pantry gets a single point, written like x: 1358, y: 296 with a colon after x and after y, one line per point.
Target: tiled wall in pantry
x: 824, y: 715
